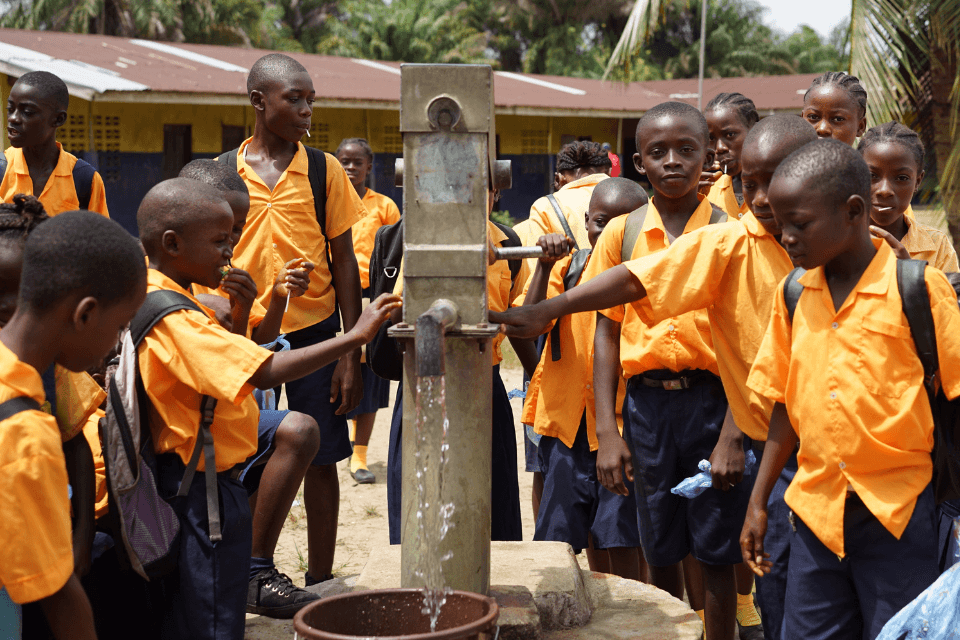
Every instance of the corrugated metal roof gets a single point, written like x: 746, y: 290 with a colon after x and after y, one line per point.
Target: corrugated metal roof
x: 123, y: 69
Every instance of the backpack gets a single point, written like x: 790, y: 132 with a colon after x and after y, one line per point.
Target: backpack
x: 147, y: 525
x: 634, y: 224
x: 383, y: 353
x: 13, y: 406
x: 946, y: 413
x: 316, y: 173
x: 83, y: 173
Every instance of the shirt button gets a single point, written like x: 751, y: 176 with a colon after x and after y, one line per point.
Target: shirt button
x: 670, y: 327
x: 843, y: 465
x: 588, y: 386
x: 269, y: 205
x: 274, y: 245
x: 835, y: 325
x: 833, y: 395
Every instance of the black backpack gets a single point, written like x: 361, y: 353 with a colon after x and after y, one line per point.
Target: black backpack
x: 946, y: 413
x: 383, y: 353
x: 83, y: 173
x: 317, y: 174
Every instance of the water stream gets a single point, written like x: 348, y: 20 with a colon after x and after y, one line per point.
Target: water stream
x: 434, y: 518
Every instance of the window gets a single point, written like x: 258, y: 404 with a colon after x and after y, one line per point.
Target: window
x: 177, y: 148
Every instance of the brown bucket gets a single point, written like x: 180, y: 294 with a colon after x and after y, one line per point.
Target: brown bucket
x: 395, y: 614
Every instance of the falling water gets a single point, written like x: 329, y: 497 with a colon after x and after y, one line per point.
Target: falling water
x: 432, y: 524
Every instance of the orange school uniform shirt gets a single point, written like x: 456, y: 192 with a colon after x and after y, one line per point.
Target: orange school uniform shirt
x: 91, y: 431
x: 36, y: 550
x: 257, y: 312
x: 186, y: 355
x: 565, y: 386
x: 722, y: 194
x: 574, y: 198
x: 926, y: 243
x: 502, y: 290
x: 381, y: 211
x: 853, y: 386
x: 282, y: 225
x: 732, y: 272
x: 676, y: 343
x: 59, y: 194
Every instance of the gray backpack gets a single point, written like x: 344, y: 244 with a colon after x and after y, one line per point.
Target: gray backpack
x: 144, y: 522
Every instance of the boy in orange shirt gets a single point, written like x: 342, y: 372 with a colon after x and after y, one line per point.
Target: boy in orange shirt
x: 357, y: 159
x: 185, y: 227
x: 83, y: 281
x: 283, y: 225
x: 846, y: 379
x: 35, y: 163
x: 575, y: 507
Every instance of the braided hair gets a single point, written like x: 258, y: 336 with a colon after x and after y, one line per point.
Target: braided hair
x: 360, y: 142
x: 582, y: 154
x: 896, y: 133
x: 741, y: 104
x: 850, y: 84
x: 20, y: 217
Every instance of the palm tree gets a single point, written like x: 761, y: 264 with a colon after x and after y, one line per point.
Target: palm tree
x: 907, y: 53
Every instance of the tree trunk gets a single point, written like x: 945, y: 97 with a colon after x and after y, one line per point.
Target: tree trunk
x: 943, y: 73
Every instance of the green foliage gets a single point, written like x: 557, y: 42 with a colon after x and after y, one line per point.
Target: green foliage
x: 503, y: 217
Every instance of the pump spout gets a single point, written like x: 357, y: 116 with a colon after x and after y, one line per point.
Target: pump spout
x: 430, y: 330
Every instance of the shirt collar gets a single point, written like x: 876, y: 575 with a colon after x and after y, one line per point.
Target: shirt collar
x: 161, y: 281
x: 299, y: 163
x: 19, y: 164
x: 875, y: 279
x: 586, y: 181
x: 916, y: 241
x: 753, y: 225
x: 20, y: 377
x: 700, y: 217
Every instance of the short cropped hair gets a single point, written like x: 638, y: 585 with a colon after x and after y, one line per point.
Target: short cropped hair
x: 582, y: 154
x: 51, y: 87
x: 741, y: 105
x: 80, y: 253
x: 216, y: 174
x: 850, y: 84
x: 170, y: 206
x: 359, y: 142
x: 894, y: 133
x: 828, y: 167
x: 20, y: 217
x: 789, y: 130
x: 623, y: 194
x: 270, y: 68
x: 678, y: 109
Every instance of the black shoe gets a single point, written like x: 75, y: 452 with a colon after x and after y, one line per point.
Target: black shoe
x: 754, y: 632
x: 272, y: 594
x: 364, y: 476
x: 309, y: 580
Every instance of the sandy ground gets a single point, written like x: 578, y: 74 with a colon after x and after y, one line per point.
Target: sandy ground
x: 363, y: 508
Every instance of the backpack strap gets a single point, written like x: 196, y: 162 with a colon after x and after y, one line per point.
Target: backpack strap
x: 83, y: 173
x: 513, y: 240
x: 717, y: 215
x: 792, y: 290
x: 631, y: 231
x: 578, y: 263
x: 158, y: 305
x: 916, y: 307
x: 229, y: 158
x: 13, y: 406
x: 563, y: 219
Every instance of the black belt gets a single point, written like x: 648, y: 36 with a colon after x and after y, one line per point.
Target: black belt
x: 233, y: 473
x: 678, y: 381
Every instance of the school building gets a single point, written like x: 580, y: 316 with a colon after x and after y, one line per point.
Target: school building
x: 140, y: 110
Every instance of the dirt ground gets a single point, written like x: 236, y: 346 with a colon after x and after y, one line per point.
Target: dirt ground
x: 363, y: 508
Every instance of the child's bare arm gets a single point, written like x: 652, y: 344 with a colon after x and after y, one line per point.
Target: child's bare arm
x: 293, y: 365
x: 612, y: 453
x: 526, y: 352
x: 82, y: 478
x: 69, y: 613
x: 555, y: 246
x: 612, y: 288
x: 293, y: 280
x: 346, y: 282
x: 781, y: 441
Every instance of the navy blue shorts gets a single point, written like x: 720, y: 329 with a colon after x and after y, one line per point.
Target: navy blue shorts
x: 311, y: 395
x: 206, y: 597
x: 575, y: 504
x: 772, y: 588
x: 853, y: 597
x: 505, y: 485
x: 376, y: 393
x: 669, y: 432
x: 266, y: 432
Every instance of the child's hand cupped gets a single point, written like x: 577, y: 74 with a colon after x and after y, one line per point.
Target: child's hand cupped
x: 376, y: 313
x: 293, y: 279
x: 555, y: 246
x: 240, y: 287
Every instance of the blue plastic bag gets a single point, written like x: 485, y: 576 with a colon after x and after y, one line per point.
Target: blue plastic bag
x: 267, y: 400
x: 695, y: 485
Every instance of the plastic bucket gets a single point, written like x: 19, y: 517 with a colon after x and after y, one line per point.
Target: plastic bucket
x: 395, y: 613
